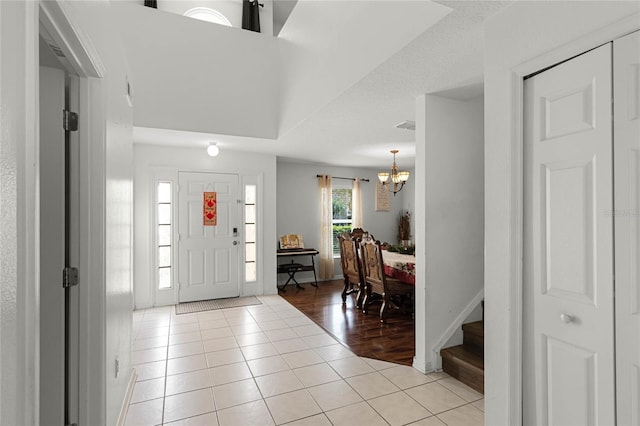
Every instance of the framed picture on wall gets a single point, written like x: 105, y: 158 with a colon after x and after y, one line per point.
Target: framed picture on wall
x: 383, y: 198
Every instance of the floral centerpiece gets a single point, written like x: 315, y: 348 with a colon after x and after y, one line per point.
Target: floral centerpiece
x: 410, y: 249
x: 404, y: 228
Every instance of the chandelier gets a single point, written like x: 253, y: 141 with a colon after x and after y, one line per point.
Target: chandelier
x: 397, y: 178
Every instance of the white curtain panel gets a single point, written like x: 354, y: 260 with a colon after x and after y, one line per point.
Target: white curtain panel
x: 356, y: 204
x: 326, y: 231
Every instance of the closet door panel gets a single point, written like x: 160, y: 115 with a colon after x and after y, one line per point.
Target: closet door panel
x: 626, y: 65
x: 568, y: 374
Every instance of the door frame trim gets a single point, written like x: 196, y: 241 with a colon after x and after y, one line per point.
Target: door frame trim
x: 56, y: 18
x: 514, y: 320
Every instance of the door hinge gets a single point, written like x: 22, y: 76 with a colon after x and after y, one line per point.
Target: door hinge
x: 69, y: 277
x: 69, y: 121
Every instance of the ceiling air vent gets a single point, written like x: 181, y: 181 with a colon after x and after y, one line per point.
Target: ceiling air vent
x: 407, y: 125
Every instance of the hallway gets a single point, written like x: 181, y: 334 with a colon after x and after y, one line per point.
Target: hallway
x: 269, y: 364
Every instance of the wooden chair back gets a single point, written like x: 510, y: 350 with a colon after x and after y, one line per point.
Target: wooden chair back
x: 357, y: 233
x: 373, y: 268
x: 349, y: 259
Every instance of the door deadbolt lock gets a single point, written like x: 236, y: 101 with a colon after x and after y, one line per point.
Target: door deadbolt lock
x: 235, y: 243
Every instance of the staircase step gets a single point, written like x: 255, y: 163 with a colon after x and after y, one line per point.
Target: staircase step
x: 474, y: 337
x: 464, y: 365
x: 476, y: 328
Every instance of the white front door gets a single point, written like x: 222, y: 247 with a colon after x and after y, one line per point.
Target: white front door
x: 568, y: 343
x: 208, y: 255
x: 626, y: 65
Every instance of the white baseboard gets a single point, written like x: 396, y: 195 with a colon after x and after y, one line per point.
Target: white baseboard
x: 127, y: 397
x: 421, y: 365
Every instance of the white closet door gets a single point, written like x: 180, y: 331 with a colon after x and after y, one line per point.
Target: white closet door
x: 626, y: 65
x: 568, y: 371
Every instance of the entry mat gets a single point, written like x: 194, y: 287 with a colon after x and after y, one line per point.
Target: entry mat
x: 212, y: 305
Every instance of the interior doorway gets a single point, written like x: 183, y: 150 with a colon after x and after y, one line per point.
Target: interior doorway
x: 52, y: 244
x: 59, y: 312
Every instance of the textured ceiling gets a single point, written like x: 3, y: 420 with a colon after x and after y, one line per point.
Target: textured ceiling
x: 357, y: 128
x: 446, y: 56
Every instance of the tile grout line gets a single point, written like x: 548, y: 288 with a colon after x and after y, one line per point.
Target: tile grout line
x: 166, y: 367
x: 281, y: 355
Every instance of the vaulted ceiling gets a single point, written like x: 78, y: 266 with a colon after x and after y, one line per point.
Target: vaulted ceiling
x: 330, y: 88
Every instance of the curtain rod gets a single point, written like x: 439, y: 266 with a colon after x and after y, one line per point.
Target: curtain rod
x: 337, y: 177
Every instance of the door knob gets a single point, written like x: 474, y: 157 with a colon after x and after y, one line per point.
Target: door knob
x: 566, y: 318
x: 235, y: 243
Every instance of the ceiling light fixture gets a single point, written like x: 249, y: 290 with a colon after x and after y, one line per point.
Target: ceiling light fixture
x: 397, y: 178
x: 213, y: 150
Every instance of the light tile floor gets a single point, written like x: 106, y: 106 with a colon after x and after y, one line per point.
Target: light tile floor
x: 270, y: 365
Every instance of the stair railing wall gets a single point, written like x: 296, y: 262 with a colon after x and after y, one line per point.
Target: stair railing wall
x: 476, y: 301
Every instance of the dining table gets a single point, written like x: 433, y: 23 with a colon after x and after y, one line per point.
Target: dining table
x: 400, y: 266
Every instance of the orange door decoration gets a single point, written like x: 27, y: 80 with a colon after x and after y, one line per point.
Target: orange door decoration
x: 209, y: 209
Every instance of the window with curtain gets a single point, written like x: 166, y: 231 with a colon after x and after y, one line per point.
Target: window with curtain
x: 346, y: 210
x: 342, y: 214
x: 325, y: 202
x: 356, y: 203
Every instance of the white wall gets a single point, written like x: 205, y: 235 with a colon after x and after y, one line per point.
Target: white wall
x: 111, y: 223
x: 450, y: 267
x: 254, y: 85
x: 238, y: 93
x: 298, y: 209
x: 156, y: 162
x: 232, y: 10
x: 19, y: 211
x: 515, y: 39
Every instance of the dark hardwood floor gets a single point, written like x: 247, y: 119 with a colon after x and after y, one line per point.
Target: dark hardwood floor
x: 364, y: 334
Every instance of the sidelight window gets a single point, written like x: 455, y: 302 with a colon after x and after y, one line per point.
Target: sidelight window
x: 163, y: 235
x: 250, y: 272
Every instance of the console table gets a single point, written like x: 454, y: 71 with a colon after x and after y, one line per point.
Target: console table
x: 295, y: 267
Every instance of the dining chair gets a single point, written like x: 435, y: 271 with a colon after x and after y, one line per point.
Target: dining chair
x: 377, y: 283
x: 357, y: 233
x: 351, y: 268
